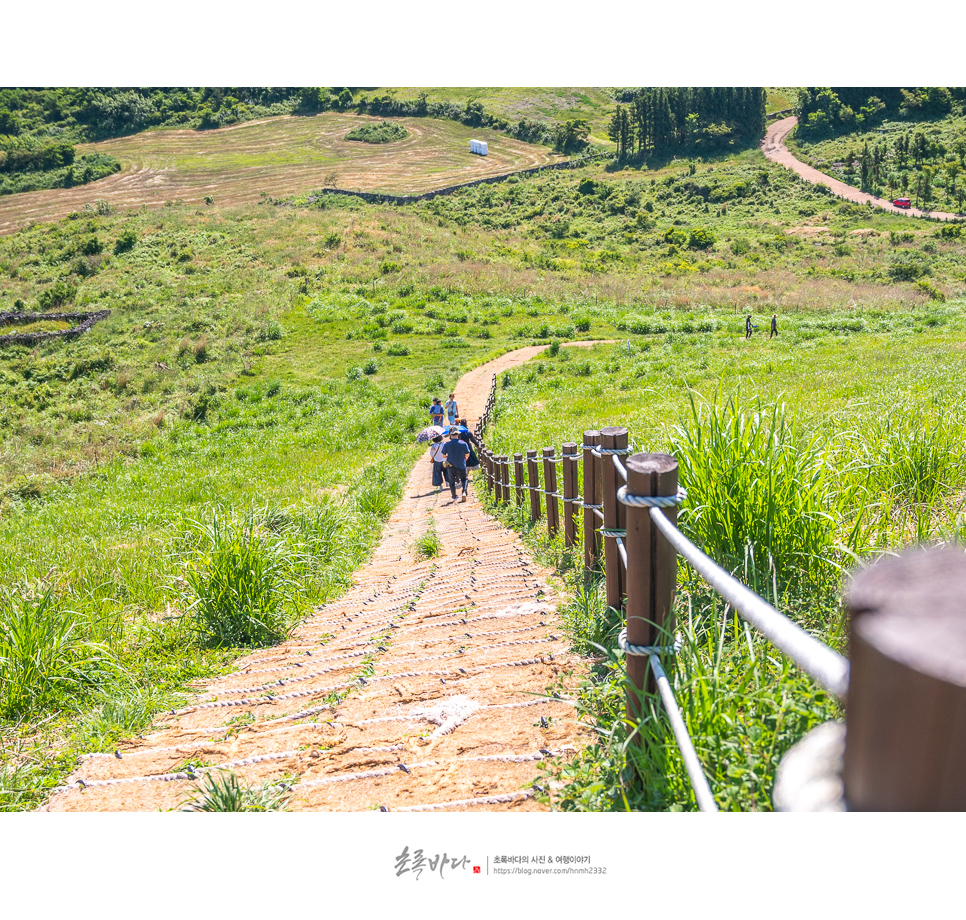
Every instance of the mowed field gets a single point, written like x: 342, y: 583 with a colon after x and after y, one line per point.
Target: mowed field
x: 278, y: 157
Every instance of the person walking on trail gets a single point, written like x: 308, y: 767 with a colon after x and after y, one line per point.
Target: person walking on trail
x: 774, y: 325
x: 436, y: 457
x: 748, y: 326
x: 436, y: 413
x: 452, y: 410
x: 456, y: 452
x: 469, y: 439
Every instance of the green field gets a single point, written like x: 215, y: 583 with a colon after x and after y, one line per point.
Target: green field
x: 256, y: 351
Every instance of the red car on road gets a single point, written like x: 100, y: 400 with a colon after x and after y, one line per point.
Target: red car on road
x: 902, y: 202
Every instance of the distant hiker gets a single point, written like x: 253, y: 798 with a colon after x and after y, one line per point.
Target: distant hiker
x: 436, y: 413
x: 452, y: 410
x: 748, y: 326
x: 774, y: 325
x: 456, y: 452
x: 436, y: 456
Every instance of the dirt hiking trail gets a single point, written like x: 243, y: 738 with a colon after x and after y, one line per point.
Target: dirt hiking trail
x: 773, y: 147
x: 443, y: 667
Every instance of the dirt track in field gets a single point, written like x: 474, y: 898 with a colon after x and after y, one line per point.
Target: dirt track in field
x: 446, y: 663
x: 773, y: 147
x: 277, y: 157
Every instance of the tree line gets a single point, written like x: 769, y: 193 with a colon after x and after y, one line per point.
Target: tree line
x: 664, y: 120
x: 824, y: 110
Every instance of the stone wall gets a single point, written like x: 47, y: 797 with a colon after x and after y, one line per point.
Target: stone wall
x: 30, y: 338
x: 378, y: 198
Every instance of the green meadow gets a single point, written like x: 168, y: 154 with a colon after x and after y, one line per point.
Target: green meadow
x: 232, y: 437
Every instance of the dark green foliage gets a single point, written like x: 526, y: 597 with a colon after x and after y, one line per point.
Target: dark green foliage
x: 699, y: 238
x: 384, y: 133
x: 908, y: 267
x: 58, y: 294
x: 126, y: 241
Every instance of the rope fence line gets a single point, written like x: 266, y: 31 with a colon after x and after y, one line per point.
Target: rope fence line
x: 636, y: 500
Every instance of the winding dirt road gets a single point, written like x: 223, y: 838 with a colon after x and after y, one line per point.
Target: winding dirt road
x: 773, y: 147
x: 445, y: 670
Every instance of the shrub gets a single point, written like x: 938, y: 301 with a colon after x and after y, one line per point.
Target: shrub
x: 908, y: 267
x: 675, y: 237
x: 370, y: 368
x: 700, y: 238
x: 58, y: 294
x: 385, y: 132
x: 125, y: 241
x: 397, y: 349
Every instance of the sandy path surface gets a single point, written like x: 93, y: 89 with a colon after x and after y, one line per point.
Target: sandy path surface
x: 773, y: 147
x: 445, y: 670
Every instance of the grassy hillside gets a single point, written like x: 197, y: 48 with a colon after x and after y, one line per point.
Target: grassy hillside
x: 256, y: 352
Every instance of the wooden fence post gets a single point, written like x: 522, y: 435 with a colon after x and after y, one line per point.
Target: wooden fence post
x: 505, y: 479
x: 651, y: 566
x: 612, y: 438
x: 518, y: 477
x: 550, y: 484
x: 591, y: 491
x: 488, y: 465
x: 570, y: 492
x: 533, y: 480
x: 905, y: 745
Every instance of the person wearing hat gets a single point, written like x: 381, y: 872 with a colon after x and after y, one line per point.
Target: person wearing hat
x: 436, y: 412
x: 456, y: 452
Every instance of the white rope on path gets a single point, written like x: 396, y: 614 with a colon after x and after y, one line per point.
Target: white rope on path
x: 261, y: 701
x: 411, y: 717
x: 171, y: 777
x: 464, y: 803
x: 303, y: 677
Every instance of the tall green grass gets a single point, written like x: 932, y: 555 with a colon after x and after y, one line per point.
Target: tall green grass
x: 758, y: 489
x: 45, y: 656
x: 242, y: 583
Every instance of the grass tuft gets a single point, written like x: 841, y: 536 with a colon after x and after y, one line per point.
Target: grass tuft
x: 222, y: 791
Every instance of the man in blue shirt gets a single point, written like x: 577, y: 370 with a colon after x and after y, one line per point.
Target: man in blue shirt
x: 436, y: 413
x: 456, y: 453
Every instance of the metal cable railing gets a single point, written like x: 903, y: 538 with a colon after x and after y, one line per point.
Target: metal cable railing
x: 827, y: 666
x: 611, y: 493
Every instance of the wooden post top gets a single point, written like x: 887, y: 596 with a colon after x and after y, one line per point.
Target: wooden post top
x: 649, y: 463
x: 912, y: 609
x: 613, y: 431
